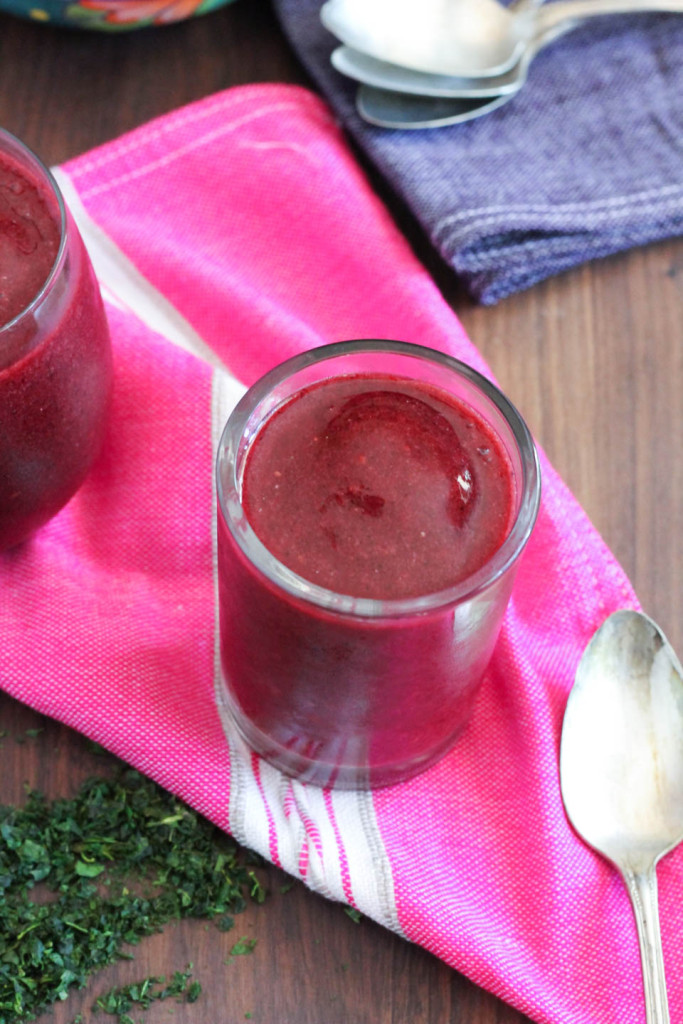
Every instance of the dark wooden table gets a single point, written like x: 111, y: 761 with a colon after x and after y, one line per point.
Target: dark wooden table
x: 594, y: 360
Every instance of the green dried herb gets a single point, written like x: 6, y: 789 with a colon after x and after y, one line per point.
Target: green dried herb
x: 243, y: 947
x: 119, y: 860
x: 140, y: 995
x: 257, y: 892
x: 193, y: 992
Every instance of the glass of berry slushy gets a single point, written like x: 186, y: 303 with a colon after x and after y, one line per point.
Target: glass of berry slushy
x: 55, y: 356
x: 374, y: 498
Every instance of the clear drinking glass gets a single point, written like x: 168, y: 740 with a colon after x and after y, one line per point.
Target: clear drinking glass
x: 55, y: 355
x: 358, y: 692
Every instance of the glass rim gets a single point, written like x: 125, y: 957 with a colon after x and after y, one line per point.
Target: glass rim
x: 365, y: 607
x: 50, y: 181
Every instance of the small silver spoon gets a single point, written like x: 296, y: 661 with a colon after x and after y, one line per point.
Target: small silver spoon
x: 386, y: 108
x: 391, y: 78
x: 621, y: 769
x: 460, y: 37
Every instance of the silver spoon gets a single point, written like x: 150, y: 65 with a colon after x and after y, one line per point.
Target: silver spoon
x: 460, y: 37
x: 386, y: 108
x: 391, y: 77
x: 621, y: 769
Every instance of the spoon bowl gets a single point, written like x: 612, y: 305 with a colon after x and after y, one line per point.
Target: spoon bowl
x: 621, y: 768
x: 381, y: 74
x: 420, y: 36
x: 409, y: 112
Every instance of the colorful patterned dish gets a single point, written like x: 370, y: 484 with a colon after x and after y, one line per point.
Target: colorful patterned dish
x: 109, y: 15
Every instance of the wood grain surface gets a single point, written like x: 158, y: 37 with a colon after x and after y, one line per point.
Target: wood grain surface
x: 593, y: 359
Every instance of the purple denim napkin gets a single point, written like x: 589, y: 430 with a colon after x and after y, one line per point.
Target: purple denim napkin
x: 585, y: 161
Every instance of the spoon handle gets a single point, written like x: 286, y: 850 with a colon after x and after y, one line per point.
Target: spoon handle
x: 554, y: 14
x: 642, y: 888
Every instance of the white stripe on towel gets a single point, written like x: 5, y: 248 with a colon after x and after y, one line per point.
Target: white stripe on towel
x: 328, y: 838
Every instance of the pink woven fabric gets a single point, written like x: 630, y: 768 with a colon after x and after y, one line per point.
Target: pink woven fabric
x: 248, y: 213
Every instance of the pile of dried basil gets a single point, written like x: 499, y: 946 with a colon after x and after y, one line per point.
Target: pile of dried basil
x: 81, y: 878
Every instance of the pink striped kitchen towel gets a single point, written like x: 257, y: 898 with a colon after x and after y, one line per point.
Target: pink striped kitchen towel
x: 229, y: 235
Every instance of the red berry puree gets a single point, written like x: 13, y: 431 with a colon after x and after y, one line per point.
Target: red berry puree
x: 378, y: 488
x: 372, y: 487
x: 55, y: 361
